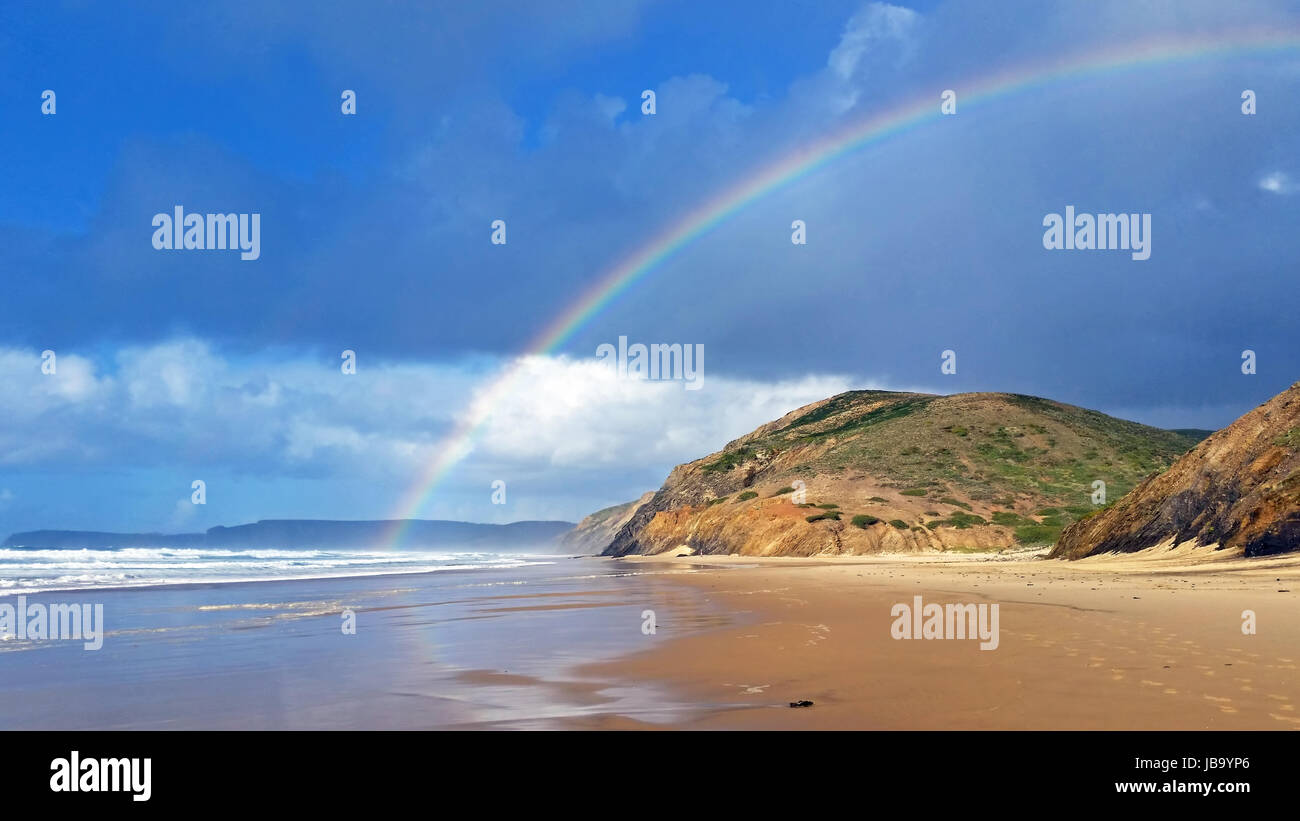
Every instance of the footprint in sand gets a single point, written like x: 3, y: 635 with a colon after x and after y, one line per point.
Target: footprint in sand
x: 1152, y: 683
x: 1169, y: 691
x: 1291, y: 719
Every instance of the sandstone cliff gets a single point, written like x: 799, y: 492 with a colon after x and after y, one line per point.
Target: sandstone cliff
x: 1240, y: 488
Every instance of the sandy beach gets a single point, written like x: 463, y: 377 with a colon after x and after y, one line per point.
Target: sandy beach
x: 1145, y: 641
x: 1149, y: 641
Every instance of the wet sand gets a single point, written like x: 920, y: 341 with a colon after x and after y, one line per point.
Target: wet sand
x: 469, y: 648
x: 1149, y: 641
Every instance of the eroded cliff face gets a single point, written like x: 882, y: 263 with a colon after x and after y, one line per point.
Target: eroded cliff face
x: 1240, y: 488
x: 594, y: 533
x: 776, y: 527
x: 876, y: 471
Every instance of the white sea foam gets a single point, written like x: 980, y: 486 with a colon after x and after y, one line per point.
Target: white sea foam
x: 28, y: 571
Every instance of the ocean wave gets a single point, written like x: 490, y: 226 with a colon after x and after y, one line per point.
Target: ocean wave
x: 30, y: 571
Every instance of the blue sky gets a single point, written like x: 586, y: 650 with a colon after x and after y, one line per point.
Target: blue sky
x: 182, y: 365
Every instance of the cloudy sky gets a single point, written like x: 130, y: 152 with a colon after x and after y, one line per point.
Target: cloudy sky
x: 375, y: 237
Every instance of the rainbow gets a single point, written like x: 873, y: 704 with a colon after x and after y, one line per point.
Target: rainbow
x: 799, y: 164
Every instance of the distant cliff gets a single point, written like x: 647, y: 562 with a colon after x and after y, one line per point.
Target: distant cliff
x: 317, y: 533
x: 594, y: 533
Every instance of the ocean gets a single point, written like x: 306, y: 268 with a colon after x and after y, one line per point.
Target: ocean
x: 28, y: 571
x: 216, y: 639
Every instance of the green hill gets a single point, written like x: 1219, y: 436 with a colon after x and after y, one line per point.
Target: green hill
x: 901, y: 471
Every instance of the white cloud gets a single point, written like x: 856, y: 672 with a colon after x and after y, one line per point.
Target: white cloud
x: 293, y: 415
x: 866, y: 31
x: 609, y: 107
x: 578, y: 413
x: 184, y: 512
x: 174, y: 373
x: 26, y: 392
x: 1277, y: 182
